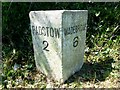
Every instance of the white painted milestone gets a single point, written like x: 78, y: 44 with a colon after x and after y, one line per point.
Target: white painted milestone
x: 58, y: 41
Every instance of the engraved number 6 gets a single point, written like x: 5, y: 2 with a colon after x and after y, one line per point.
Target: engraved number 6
x: 75, y: 41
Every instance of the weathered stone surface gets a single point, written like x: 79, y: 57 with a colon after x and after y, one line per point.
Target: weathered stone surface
x: 59, y: 40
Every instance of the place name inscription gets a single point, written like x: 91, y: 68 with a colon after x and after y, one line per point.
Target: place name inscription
x: 46, y: 31
x: 55, y: 32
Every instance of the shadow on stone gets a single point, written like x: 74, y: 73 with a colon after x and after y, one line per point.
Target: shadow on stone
x: 93, y: 72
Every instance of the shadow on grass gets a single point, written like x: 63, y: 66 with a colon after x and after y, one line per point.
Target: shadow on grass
x: 93, y: 72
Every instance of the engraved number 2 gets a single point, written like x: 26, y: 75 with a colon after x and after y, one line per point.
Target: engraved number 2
x: 46, y: 45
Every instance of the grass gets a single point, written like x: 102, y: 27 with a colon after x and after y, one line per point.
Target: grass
x: 101, y: 69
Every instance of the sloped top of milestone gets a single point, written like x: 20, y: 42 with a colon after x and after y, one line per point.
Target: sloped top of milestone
x: 57, y: 11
